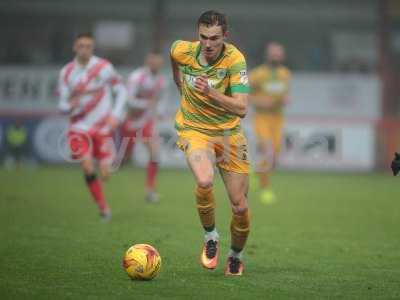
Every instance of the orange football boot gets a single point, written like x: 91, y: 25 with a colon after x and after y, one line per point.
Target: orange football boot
x: 209, y: 255
x: 234, y: 266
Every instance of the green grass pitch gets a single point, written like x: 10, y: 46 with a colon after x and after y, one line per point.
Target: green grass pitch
x: 330, y: 236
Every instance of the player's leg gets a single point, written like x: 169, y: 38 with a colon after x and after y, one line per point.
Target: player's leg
x: 202, y: 167
x: 128, y: 136
x: 200, y: 158
x: 277, y: 136
x: 18, y: 156
x: 265, y: 156
x: 234, y: 171
x: 104, y: 152
x: 93, y: 182
x: 237, y: 187
x: 264, y: 149
x: 151, y: 141
x: 81, y: 146
x: 264, y: 170
x: 95, y: 186
x: 273, y: 149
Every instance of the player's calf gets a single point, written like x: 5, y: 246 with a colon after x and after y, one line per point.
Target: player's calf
x: 96, y: 189
x: 240, y: 229
x: 205, y: 207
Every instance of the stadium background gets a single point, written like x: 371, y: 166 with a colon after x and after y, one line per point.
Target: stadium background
x: 344, y: 110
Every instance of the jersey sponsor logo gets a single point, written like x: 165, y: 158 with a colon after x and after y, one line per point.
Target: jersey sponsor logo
x: 190, y: 80
x: 275, y: 87
x: 213, y: 82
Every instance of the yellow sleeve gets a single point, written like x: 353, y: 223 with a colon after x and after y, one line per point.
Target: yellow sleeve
x: 238, y: 79
x: 286, y: 74
x: 256, y: 79
x: 287, y: 77
x: 180, y: 51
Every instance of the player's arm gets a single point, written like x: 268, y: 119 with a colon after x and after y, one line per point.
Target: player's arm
x: 135, y: 102
x: 266, y: 101
x: 262, y: 101
x: 120, y: 97
x: 286, y: 98
x: 179, y: 56
x: 66, y: 103
x: 235, y: 104
x: 176, y: 73
x: 161, y: 89
x: 156, y: 103
x: 259, y: 100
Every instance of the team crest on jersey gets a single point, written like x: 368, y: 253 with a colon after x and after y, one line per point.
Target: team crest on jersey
x: 221, y: 73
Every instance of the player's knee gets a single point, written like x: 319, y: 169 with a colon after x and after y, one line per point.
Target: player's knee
x: 90, y: 177
x: 88, y: 171
x: 104, y: 172
x: 239, y: 205
x: 240, y: 210
x: 205, y: 182
x: 87, y: 168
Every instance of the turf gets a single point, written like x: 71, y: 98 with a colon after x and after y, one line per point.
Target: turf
x: 330, y: 236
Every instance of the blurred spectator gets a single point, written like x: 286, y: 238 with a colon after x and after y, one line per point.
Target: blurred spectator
x: 16, y: 144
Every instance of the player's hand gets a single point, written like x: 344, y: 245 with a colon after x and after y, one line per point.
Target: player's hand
x: 396, y: 164
x: 201, y: 84
x: 269, y: 102
x: 113, y: 122
x: 152, y: 103
x: 74, y: 102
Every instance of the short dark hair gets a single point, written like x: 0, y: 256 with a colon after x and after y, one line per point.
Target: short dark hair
x: 88, y: 35
x: 154, y: 52
x: 211, y: 18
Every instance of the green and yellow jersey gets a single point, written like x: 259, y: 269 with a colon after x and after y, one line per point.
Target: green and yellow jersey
x: 228, y: 74
x: 273, y: 82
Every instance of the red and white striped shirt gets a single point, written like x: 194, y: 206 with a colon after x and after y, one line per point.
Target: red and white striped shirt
x: 94, y: 84
x: 142, y: 85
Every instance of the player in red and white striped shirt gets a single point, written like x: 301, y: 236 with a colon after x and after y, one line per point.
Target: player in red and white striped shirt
x: 94, y: 96
x: 145, y: 86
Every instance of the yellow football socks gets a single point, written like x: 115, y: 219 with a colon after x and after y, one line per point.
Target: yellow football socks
x: 205, y: 207
x: 240, y: 228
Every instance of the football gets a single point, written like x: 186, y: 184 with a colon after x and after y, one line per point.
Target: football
x: 142, y: 262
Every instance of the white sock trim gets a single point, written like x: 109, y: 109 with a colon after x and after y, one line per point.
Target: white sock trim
x: 232, y: 253
x: 212, y: 235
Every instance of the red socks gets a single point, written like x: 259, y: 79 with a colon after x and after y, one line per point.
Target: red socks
x: 152, y: 169
x: 96, y: 189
